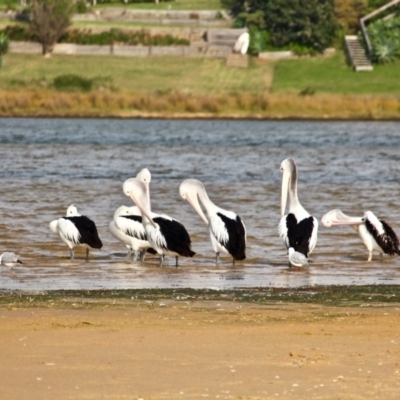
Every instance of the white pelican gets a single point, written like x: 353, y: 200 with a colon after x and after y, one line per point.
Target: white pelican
x: 297, y: 259
x: 227, y: 231
x: 242, y: 43
x: 9, y: 259
x: 127, y: 227
x: 166, y: 235
x: 298, y: 228
x: 76, y: 230
x: 376, y: 234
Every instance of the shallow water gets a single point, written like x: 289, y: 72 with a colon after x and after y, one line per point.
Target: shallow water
x: 48, y: 164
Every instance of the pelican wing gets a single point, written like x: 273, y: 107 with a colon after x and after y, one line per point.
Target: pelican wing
x: 302, y: 236
x: 131, y: 225
x: 388, y: 241
x: 234, y: 231
x: 87, y: 231
x: 172, y: 236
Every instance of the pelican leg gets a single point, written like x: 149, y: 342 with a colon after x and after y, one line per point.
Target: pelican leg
x: 370, y: 256
x: 87, y: 254
x: 233, y: 261
x: 216, y: 258
x: 176, y: 261
x: 142, y: 255
x: 129, y: 254
x: 161, y: 260
x: 135, y: 255
x: 71, y: 253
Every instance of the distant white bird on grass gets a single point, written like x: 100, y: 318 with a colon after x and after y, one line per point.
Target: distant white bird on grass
x: 76, y: 230
x: 9, y: 259
x: 242, y: 43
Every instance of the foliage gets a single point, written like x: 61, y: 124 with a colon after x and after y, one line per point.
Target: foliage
x: 258, y: 41
x: 308, y: 23
x: 72, y: 83
x: 141, y: 37
x: 81, y: 6
x: 385, y: 39
x: 250, y: 20
x: 4, y: 43
x: 50, y: 19
x: 348, y: 14
x: 76, y: 83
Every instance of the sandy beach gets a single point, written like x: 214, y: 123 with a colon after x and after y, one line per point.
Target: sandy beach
x: 192, y: 348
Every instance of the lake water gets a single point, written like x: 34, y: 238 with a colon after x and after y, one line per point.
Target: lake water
x: 48, y: 164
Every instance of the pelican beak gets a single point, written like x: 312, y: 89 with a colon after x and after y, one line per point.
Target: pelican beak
x: 142, y: 210
x: 284, y: 192
x: 337, y: 217
x: 194, y: 202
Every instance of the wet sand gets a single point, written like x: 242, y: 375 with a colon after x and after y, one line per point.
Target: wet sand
x: 197, y: 347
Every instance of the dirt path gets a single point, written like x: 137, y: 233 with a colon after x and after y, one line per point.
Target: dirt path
x: 203, y: 349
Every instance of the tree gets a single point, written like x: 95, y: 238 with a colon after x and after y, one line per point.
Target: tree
x: 3, y: 46
x: 50, y: 19
x: 306, y: 23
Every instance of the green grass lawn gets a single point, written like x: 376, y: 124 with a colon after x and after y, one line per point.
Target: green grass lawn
x: 333, y: 75
x: 150, y: 74
x: 202, y: 75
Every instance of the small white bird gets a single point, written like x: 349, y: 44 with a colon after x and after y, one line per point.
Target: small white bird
x: 76, y: 230
x: 128, y: 228
x: 297, y: 259
x: 9, y: 259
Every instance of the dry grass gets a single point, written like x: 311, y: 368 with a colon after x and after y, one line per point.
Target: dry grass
x: 102, y: 104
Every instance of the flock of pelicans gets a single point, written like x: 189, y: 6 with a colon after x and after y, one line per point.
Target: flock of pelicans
x: 142, y: 230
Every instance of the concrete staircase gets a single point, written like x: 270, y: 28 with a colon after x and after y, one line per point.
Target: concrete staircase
x: 356, y: 54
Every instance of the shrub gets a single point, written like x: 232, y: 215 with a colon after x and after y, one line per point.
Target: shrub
x: 72, y: 83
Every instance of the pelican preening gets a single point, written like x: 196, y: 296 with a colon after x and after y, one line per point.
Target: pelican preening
x: 76, y: 230
x: 298, y: 228
x: 9, y: 259
x: 127, y: 227
x: 166, y: 235
x: 227, y: 231
x: 376, y: 234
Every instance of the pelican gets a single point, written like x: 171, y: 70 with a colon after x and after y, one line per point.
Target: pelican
x: 9, y: 259
x: 297, y: 259
x: 76, y: 230
x: 298, y: 228
x: 127, y: 227
x: 227, y: 231
x: 166, y: 235
x: 376, y: 234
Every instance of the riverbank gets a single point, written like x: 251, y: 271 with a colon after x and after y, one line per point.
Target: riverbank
x: 184, y: 106
x: 184, y: 87
x: 256, y: 344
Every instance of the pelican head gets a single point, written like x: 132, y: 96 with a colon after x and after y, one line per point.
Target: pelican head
x: 337, y: 217
x: 72, y: 211
x: 190, y: 190
x: 289, y: 182
x: 124, y: 210
x: 145, y: 176
x: 137, y: 191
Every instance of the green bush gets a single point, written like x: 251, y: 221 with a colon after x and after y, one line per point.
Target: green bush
x: 385, y: 39
x: 141, y: 37
x: 72, y: 83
